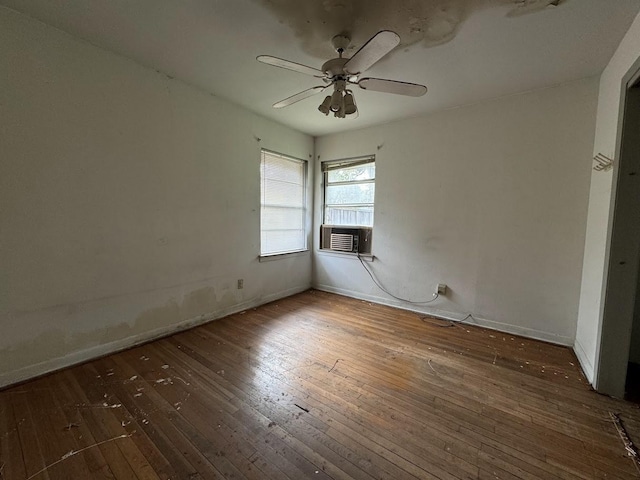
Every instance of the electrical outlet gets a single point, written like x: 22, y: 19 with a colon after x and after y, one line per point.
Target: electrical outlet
x: 240, y: 284
x: 442, y: 289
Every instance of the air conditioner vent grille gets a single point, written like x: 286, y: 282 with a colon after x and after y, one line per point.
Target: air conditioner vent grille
x: 342, y: 242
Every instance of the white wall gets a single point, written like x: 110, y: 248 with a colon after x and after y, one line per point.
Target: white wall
x: 129, y: 202
x: 490, y: 199
x: 591, y: 294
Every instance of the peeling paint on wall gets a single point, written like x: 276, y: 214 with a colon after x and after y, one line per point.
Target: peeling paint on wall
x: 431, y: 22
x: 57, y: 342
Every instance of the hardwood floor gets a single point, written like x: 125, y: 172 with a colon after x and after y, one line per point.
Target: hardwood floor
x: 324, y: 387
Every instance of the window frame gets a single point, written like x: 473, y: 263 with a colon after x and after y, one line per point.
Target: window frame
x: 329, y: 165
x: 305, y: 179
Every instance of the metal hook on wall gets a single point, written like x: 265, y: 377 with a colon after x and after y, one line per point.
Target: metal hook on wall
x: 603, y: 163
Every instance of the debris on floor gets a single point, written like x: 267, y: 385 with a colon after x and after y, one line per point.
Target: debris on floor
x: 628, y: 444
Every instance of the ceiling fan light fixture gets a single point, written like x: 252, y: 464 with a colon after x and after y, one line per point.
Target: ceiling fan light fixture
x: 349, y: 104
x: 325, y: 105
x: 336, y: 100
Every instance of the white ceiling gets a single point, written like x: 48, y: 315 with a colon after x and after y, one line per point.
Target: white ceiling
x: 465, y: 51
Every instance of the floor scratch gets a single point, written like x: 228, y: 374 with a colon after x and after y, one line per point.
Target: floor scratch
x: 75, y: 452
x: 431, y: 367
x: 334, y: 365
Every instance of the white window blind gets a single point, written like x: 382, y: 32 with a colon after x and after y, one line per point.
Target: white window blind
x: 282, y: 209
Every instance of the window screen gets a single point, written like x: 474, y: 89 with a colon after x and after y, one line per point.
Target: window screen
x: 282, y: 205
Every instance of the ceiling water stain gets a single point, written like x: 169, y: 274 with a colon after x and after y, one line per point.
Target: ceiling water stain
x: 429, y: 22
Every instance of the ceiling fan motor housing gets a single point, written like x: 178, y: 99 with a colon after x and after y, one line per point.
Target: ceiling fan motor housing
x: 334, y: 67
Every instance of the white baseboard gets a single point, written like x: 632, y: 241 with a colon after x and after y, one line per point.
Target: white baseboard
x: 75, y: 358
x: 456, y: 317
x: 585, y: 363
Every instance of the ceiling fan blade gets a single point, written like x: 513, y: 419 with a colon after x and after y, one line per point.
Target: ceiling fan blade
x: 372, y: 51
x: 392, y: 86
x: 296, y: 67
x: 299, y: 96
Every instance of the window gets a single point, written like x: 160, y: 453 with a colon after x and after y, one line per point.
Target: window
x: 349, y: 189
x: 282, y: 204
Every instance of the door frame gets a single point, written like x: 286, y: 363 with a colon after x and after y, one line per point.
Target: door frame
x: 621, y: 256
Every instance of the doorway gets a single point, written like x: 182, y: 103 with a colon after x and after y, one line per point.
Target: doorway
x: 619, y: 352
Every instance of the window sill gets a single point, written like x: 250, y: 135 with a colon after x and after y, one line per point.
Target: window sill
x: 366, y: 257
x: 280, y: 256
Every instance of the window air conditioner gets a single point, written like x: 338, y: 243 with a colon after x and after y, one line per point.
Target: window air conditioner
x: 346, y: 239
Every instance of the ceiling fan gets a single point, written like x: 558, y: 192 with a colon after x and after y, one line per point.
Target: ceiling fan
x: 340, y: 73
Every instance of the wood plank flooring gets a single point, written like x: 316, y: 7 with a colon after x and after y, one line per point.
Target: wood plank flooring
x: 324, y: 387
